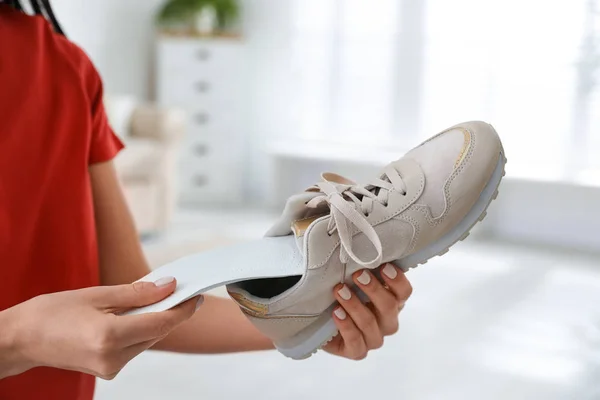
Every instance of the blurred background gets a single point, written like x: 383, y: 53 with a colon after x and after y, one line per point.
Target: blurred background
x: 227, y: 107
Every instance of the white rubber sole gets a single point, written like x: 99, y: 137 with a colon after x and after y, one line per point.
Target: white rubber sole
x: 320, y: 332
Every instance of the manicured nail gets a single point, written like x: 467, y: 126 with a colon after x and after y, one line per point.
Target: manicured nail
x: 364, y: 278
x: 390, y: 271
x: 340, y: 313
x: 199, y: 302
x: 164, y: 281
x: 345, y: 293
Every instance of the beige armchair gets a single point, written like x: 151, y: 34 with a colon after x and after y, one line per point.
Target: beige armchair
x: 147, y: 165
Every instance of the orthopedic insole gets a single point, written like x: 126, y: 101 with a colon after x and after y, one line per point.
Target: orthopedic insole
x: 269, y: 257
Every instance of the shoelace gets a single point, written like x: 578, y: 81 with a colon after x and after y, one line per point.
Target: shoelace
x: 352, y: 203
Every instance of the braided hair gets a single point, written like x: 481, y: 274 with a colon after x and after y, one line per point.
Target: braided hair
x: 39, y: 7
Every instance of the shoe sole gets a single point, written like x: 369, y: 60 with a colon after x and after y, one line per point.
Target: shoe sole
x: 323, y: 330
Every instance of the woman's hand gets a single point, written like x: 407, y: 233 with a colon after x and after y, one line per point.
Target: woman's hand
x: 363, y: 326
x: 78, y: 330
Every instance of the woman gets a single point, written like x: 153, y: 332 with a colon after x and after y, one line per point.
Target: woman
x: 69, y: 249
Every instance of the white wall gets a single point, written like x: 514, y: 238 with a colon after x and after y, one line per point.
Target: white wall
x: 118, y: 37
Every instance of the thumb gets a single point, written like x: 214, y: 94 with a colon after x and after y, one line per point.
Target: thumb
x: 136, y: 294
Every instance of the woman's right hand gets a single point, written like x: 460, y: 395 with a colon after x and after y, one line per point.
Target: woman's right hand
x: 79, y: 330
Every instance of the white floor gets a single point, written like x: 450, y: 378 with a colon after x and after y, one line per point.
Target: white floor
x: 486, y: 321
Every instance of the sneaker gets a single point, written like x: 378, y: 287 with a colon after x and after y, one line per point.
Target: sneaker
x: 416, y: 209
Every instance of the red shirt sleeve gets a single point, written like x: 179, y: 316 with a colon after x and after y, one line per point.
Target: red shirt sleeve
x: 104, y: 144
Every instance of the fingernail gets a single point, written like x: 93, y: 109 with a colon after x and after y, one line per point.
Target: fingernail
x: 164, y: 281
x: 390, y: 271
x: 345, y: 293
x: 364, y: 278
x: 199, y: 302
x: 340, y: 313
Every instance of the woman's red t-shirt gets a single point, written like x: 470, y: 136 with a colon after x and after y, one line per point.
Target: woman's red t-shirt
x: 52, y: 127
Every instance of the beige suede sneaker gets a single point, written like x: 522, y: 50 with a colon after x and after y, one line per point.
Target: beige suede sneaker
x: 416, y: 209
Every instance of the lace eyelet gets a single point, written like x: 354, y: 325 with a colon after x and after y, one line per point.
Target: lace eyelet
x: 329, y: 234
x: 404, y: 194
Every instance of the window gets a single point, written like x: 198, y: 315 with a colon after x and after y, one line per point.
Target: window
x: 344, y: 67
x: 388, y: 70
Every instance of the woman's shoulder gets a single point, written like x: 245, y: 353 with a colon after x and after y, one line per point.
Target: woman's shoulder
x: 32, y: 40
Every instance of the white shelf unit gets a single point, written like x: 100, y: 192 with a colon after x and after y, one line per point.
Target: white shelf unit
x: 204, y: 78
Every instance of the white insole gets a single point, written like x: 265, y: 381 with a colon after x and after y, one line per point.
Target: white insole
x: 269, y: 257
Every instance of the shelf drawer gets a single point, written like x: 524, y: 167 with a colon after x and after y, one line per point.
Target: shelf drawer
x: 209, y: 152
x: 200, y: 92
x: 202, y: 123
x: 205, y: 183
x: 197, y: 56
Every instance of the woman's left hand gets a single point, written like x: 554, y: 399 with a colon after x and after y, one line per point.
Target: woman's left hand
x: 362, y: 327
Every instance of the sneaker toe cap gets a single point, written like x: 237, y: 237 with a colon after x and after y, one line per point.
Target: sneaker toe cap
x: 457, y: 163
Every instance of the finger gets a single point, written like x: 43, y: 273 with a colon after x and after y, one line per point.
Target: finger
x: 363, y: 318
x: 352, y: 343
x: 384, y: 303
x: 397, y: 282
x: 136, y: 294
x: 134, y: 329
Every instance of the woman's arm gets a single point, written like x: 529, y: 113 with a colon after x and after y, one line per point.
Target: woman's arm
x: 121, y: 257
